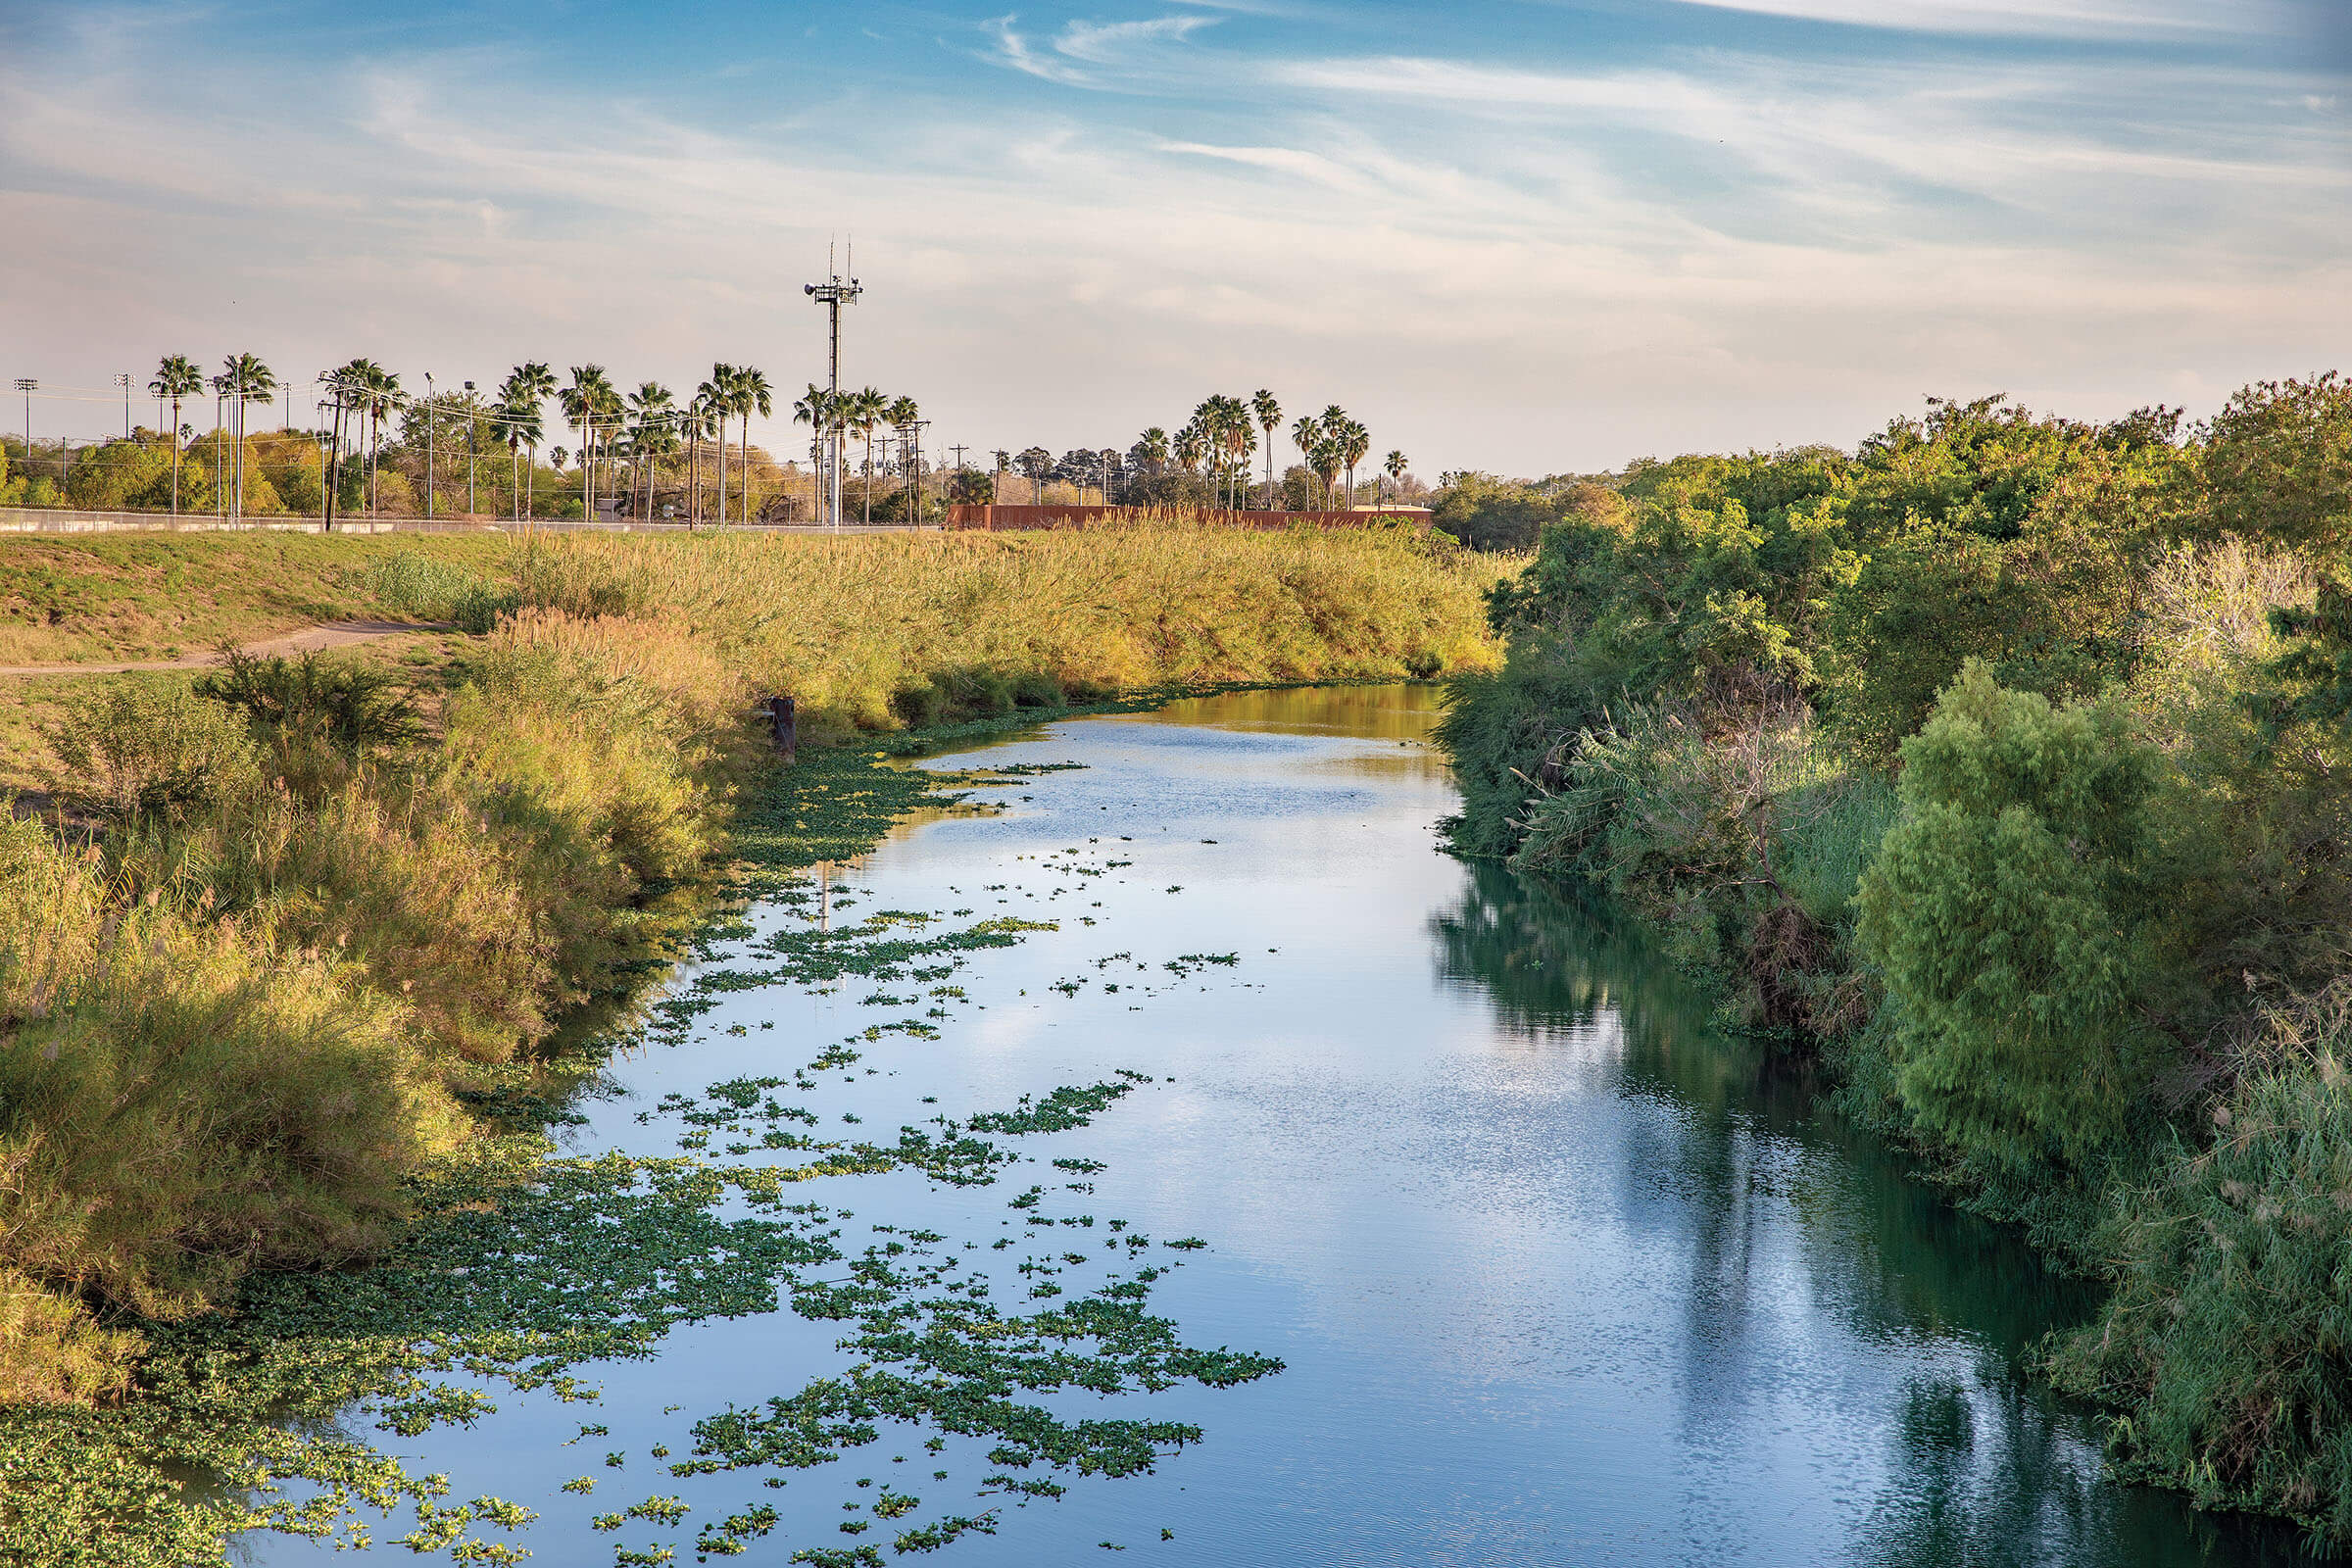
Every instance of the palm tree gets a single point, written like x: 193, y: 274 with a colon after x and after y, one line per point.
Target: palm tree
x: 901, y: 413
x: 1331, y: 424
x: 1353, y: 442
x: 649, y: 404
x: 1155, y: 443
x: 706, y: 415
x: 720, y: 390
x: 1190, y: 444
x: 1395, y: 465
x: 519, y: 412
x: 820, y: 409
x: 176, y: 376
x: 752, y: 395
x: 243, y: 379
x: 373, y: 391
x: 1307, y: 436
x: 861, y: 411
x: 1237, y: 438
x: 588, y: 404
x: 1269, y: 419
x: 527, y: 386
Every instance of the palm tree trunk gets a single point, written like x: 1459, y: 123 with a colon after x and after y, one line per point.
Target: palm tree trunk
x: 174, y: 457
x: 722, y: 472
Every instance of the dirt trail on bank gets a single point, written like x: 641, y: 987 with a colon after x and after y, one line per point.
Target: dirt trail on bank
x: 310, y: 639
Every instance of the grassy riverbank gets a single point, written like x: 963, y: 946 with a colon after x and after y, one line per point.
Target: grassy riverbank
x: 298, y: 928
x: 2002, y: 762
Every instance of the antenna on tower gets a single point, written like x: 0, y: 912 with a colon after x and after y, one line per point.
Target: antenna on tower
x: 833, y: 293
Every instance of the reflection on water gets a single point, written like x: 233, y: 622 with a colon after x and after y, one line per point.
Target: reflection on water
x: 1559, y: 1272
x: 1982, y: 1469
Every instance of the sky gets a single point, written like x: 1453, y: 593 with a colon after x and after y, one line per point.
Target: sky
x: 1523, y: 237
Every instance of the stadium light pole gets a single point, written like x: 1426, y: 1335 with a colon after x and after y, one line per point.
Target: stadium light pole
x: 833, y: 293
x: 122, y: 380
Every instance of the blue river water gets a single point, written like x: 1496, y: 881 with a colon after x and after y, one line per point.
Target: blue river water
x: 1558, y: 1272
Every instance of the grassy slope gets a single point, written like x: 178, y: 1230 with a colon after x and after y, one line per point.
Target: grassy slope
x: 67, y: 598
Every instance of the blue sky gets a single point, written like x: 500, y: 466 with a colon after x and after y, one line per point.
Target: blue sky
x: 1527, y: 238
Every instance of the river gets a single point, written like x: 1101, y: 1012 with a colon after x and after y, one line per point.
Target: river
x: 1559, y: 1273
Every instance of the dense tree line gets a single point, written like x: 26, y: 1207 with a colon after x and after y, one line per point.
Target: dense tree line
x: 2006, y: 763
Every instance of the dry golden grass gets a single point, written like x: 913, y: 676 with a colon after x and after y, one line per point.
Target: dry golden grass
x: 843, y: 622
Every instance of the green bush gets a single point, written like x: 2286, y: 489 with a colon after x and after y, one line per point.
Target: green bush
x: 350, y: 707
x: 195, y: 1104
x: 918, y: 704
x: 2008, y: 916
x: 1037, y: 690
x: 974, y: 692
x: 1488, y: 514
x: 2224, y: 1339
x: 417, y: 584
x: 148, y: 746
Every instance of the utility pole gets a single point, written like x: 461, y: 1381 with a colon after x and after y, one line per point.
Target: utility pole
x: 329, y: 440
x: 28, y: 386
x: 428, y: 446
x: 122, y: 380
x: 916, y: 442
x: 472, y: 440
x: 833, y: 293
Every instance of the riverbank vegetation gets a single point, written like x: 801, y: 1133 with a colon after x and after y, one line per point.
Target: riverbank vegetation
x: 293, y: 928
x: 2001, y: 762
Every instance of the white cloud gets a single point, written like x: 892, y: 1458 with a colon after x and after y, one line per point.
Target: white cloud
x: 2064, y: 18
x: 1497, y: 266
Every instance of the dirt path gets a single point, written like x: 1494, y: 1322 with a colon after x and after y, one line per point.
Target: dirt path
x: 310, y: 639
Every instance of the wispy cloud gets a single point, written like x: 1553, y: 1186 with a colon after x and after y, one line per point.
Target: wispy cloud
x: 2033, y: 18
x: 1090, y: 54
x: 1501, y: 257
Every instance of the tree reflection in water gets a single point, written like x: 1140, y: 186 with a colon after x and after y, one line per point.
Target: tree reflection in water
x: 1983, y: 1468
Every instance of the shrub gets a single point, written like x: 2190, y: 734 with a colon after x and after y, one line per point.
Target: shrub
x: 407, y: 881
x: 918, y: 704
x: 413, y: 583
x: 2225, y: 1338
x: 2277, y: 464
x: 351, y: 707
x: 2007, y: 916
x: 52, y: 1353
x: 195, y: 1104
x: 478, y: 610
x: 1488, y: 514
x: 147, y: 747
x: 1037, y: 690
x: 975, y: 693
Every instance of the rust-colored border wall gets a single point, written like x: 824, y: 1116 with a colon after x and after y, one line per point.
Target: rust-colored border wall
x: 1009, y: 518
